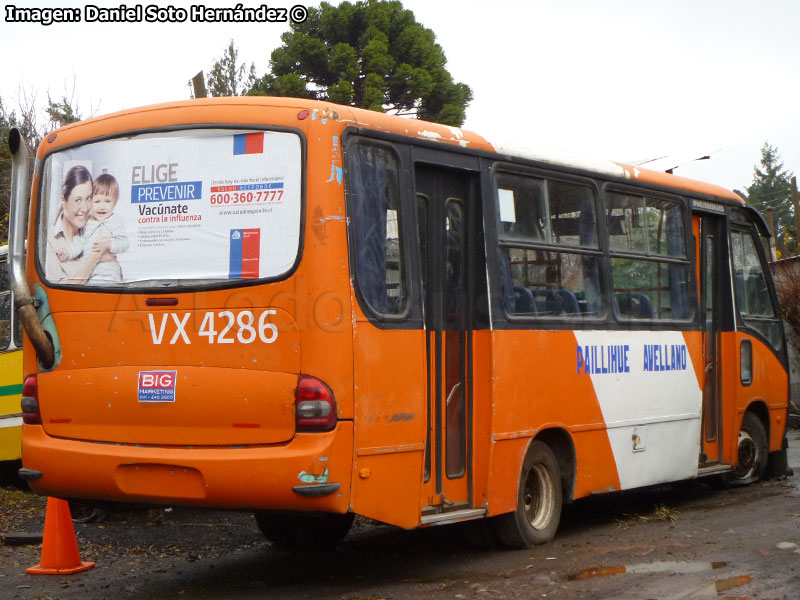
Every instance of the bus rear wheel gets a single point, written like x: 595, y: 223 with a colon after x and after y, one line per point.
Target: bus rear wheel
x: 303, y: 531
x: 538, y: 501
x: 751, y: 459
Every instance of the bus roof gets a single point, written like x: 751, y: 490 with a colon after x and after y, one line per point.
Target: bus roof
x: 423, y: 130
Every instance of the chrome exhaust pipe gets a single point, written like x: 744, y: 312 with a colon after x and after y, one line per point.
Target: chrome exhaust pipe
x: 23, y: 302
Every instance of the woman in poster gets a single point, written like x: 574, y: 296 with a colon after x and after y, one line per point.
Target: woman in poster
x: 73, y: 213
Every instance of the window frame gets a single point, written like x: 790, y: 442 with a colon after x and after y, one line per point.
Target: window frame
x: 7, y: 345
x: 498, y: 241
x: 689, y: 260
x: 751, y: 230
x: 14, y: 344
x: 192, y: 286
x: 405, y: 222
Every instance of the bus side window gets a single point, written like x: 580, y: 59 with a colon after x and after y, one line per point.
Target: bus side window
x: 378, y: 251
x: 549, y: 253
x: 753, y: 299
x: 649, y: 264
x: 5, y: 308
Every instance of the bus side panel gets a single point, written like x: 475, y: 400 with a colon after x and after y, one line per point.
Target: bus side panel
x: 596, y: 471
x: 322, y: 282
x: 10, y: 395
x: 646, y: 385
x: 389, y: 414
x: 770, y: 386
x: 631, y: 400
x: 694, y: 345
x: 506, y: 464
x: 537, y: 386
x: 483, y: 392
x: 10, y: 438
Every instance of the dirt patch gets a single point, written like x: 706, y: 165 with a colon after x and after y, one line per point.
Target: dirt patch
x: 20, y: 511
x: 146, y: 554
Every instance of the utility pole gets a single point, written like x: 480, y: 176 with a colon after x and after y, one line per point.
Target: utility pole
x: 771, y: 221
x: 772, y: 245
x: 796, y: 210
x: 199, y: 86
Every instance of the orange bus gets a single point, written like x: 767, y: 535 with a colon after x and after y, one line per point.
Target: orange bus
x: 314, y: 311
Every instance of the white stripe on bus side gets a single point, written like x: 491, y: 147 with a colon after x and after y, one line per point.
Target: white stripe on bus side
x: 647, y: 388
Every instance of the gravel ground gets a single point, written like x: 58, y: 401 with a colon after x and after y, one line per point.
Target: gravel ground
x: 738, y: 538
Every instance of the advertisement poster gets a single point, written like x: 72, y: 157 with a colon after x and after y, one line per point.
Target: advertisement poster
x: 169, y: 207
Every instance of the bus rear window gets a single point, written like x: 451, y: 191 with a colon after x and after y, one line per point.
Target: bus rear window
x: 169, y: 209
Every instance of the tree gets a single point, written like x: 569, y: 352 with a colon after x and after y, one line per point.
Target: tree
x: 62, y: 112
x: 771, y: 188
x: 5, y: 172
x: 228, y: 77
x: 26, y: 122
x: 5, y: 127
x: 25, y: 118
x: 372, y: 54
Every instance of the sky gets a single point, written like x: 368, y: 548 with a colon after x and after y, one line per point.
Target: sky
x: 631, y: 81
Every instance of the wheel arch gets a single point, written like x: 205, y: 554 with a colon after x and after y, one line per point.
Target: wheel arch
x: 759, y: 408
x: 561, y: 444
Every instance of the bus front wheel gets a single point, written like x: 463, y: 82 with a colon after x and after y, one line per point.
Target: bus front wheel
x: 303, y: 531
x: 538, y: 501
x: 751, y: 459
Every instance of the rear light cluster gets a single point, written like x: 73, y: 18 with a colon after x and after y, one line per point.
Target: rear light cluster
x: 30, y: 401
x: 315, y: 407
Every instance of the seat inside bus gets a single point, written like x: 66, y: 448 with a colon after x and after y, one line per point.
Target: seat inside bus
x: 634, y: 305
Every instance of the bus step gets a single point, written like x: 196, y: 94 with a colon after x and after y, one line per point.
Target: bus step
x: 713, y: 470
x: 453, y: 516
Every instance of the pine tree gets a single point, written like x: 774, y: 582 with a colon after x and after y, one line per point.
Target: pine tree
x: 372, y: 54
x: 62, y: 112
x: 771, y: 188
x: 228, y: 77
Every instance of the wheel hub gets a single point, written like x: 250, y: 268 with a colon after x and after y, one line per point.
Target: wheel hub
x: 747, y: 456
x: 539, y: 496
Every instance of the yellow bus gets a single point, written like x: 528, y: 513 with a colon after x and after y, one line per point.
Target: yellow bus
x: 314, y: 311
x: 10, y: 377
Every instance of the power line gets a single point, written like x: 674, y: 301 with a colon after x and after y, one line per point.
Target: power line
x: 775, y: 193
x: 774, y: 202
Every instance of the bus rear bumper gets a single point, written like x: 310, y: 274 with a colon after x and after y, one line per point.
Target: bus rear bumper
x: 311, y: 472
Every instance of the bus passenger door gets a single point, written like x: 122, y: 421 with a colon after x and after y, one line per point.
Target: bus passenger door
x: 446, y: 211
x: 713, y: 257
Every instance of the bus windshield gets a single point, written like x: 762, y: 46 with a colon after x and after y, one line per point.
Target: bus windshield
x: 172, y: 209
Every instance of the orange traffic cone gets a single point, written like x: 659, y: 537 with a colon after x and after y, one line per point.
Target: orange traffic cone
x: 60, y: 547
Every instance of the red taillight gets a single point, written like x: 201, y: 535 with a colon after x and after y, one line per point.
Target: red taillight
x: 30, y: 401
x: 315, y: 407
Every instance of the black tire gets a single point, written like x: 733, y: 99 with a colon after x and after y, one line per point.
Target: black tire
x: 87, y: 512
x: 751, y: 460
x: 778, y: 462
x: 304, y: 531
x: 538, y: 512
